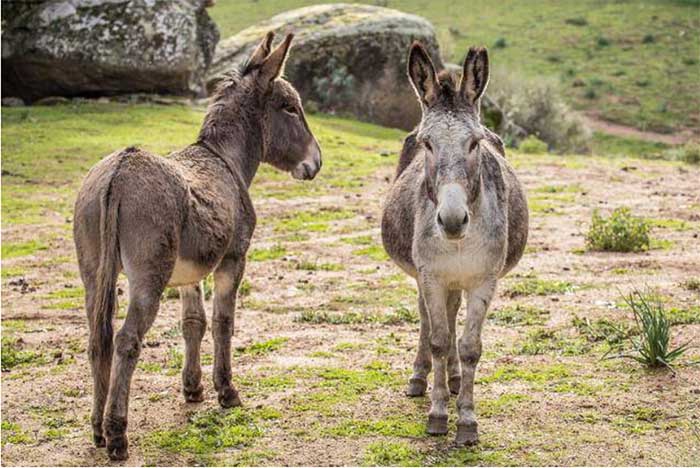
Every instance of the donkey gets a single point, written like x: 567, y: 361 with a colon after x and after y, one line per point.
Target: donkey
x: 171, y: 221
x: 455, y: 219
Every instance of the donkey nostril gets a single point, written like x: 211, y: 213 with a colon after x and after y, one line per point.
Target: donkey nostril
x: 439, y: 220
x: 466, y: 218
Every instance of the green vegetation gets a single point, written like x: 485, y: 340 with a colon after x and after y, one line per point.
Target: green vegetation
x: 620, y: 232
x: 272, y: 253
x: 533, y: 286
x: 209, y: 432
x: 532, y: 145
x: 586, y: 46
x: 14, y: 356
x: 264, y: 347
x: 651, y: 346
x: 398, y: 426
x: 315, y: 221
x: 12, y: 433
x: 519, y: 314
x: 21, y: 249
x: 397, y: 316
x: 602, y: 330
x: 391, y: 454
x: 537, y: 375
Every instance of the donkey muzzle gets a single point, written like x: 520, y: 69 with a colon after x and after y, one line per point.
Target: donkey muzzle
x: 309, y: 167
x: 452, y: 214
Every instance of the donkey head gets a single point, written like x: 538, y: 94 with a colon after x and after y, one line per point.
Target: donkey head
x: 288, y: 142
x: 450, y: 131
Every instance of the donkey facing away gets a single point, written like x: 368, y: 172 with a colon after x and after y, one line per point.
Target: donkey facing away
x: 455, y: 219
x: 171, y: 221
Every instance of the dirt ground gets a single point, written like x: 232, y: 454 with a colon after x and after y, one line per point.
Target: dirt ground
x: 326, y: 332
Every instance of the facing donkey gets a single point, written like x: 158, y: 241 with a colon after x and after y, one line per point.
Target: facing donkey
x: 171, y: 221
x: 456, y: 220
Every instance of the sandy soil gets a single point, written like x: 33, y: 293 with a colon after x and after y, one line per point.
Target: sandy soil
x: 576, y: 409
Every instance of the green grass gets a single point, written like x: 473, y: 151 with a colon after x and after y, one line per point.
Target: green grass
x: 21, y: 249
x: 271, y: 253
x: 12, y: 433
x: 386, y: 453
x: 209, y: 432
x: 398, y: 426
x: 265, y: 347
x: 649, y: 85
x: 13, y: 355
x: 533, y: 286
x: 397, y: 316
x: 519, y: 314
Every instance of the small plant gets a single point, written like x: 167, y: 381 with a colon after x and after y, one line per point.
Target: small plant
x: 651, y: 347
x: 688, y: 153
x: 692, y: 284
x: 532, y: 145
x: 500, y: 43
x: 648, y: 39
x: 577, y: 21
x: 603, y: 41
x: 621, y: 232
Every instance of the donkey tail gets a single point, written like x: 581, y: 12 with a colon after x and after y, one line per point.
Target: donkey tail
x: 107, y: 272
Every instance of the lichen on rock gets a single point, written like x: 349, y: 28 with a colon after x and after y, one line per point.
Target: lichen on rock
x: 348, y: 59
x: 96, y: 47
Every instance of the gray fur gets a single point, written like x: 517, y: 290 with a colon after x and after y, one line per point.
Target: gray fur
x: 456, y: 220
x: 171, y: 221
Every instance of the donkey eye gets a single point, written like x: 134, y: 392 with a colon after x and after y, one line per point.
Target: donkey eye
x: 291, y: 110
x: 428, y: 146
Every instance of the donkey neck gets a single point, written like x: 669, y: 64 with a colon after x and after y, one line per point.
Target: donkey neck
x: 236, y: 140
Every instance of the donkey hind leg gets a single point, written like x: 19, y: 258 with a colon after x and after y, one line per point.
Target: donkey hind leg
x: 454, y: 300
x: 194, y: 324
x: 435, y: 297
x: 227, y: 277
x: 144, y: 297
x: 101, y: 365
x: 470, y: 353
x: 422, y: 365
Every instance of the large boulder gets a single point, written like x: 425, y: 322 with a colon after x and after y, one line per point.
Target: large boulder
x: 98, y: 47
x: 349, y: 59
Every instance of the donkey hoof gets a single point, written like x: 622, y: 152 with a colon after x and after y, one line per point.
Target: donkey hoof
x: 228, y: 398
x: 194, y: 396
x: 454, y: 383
x: 437, y: 425
x: 466, y: 435
x: 99, y: 440
x: 416, y: 387
x: 118, y: 448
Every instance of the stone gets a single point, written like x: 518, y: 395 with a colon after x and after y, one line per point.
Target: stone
x: 345, y: 59
x: 106, y: 47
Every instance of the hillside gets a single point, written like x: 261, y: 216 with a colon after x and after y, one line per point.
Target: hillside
x: 631, y: 62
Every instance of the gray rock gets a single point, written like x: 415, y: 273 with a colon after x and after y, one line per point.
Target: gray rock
x: 52, y: 101
x: 349, y: 59
x: 12, y: 102
x: 104, y: 47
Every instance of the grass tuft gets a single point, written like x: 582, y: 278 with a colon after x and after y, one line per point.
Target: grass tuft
x: 651, y: 346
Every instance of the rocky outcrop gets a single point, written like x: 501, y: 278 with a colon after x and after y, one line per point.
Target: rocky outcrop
x: 104, y: 47
x: 349, y: 59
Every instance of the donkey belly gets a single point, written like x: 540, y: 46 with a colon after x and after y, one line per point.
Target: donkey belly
x: 187, y: 272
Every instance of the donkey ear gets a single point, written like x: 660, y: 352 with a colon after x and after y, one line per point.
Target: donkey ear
x: 421, y: 72
x: 273, y: 66
x: 260, y: 53
x: 475, y: 75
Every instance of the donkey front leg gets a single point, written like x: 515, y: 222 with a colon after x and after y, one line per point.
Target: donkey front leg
x: 454, y: 300
x: 435, y: 297
x: 194, y: 324
x: 469, y: 354
x: 418, y: 382
x: 227, y: 277
x: 143, y: 307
